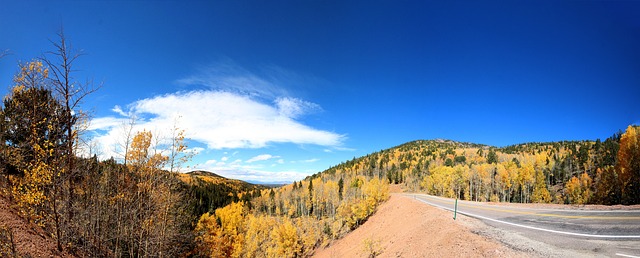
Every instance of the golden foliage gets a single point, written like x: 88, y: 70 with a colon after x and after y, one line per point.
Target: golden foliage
x: 371, y: 247
x: 293, y: 220
x: 578, y: 189
x: 540, y: 192
x: 286, y: 241
x: 628, y: 166
x: 210, y: 239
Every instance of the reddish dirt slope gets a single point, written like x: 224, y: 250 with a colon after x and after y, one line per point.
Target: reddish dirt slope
x: 29, y: 240
x: 403, y: 227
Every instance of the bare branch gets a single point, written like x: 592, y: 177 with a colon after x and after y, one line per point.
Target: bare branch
x: 60, y: 62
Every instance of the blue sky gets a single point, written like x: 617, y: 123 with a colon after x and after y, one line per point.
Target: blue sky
x: 277, y: 90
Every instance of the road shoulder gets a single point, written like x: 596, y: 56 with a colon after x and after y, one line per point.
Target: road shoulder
x: 404, y: 227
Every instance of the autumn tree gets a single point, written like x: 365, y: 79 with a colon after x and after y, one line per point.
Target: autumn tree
x: 178, y: 154
x: 492, y: 157
x: 506, y: 178
x: 540, y: 192
x: 34, y: 138
x: 628, y: 165
x: 525, y: 179
x: 286, y: 240
x: 210, y: 239
x: 607, y: 186
x: 578, y: 189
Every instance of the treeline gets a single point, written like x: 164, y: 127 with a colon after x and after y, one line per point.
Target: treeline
x: 138, y: 207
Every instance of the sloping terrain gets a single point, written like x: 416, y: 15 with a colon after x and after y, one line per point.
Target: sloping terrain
x: 28, y: 239
x: 403, y: 227
x: 210, y: 177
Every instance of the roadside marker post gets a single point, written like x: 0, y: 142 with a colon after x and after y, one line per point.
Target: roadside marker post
x: 455, y: 210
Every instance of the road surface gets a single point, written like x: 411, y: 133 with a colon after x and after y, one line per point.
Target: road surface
x: 582, y: 232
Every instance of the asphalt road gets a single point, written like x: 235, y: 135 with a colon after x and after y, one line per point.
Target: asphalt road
x: 582, y: 231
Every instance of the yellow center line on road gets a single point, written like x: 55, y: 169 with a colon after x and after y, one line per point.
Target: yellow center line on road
x: 538, y: 214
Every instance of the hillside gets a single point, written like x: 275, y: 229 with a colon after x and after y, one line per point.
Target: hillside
x: 560, y: 172
x: 210, y: 177
x: 20, y: 238
x: 431, y: 233
x: 211, y: 191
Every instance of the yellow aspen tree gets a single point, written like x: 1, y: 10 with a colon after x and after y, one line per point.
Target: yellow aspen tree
x: 540, y: 191
x: 232, y: 222
x: 210, y: 239
x: 628, y: 165
x: 258, y: 235
x: 578, y: 189
x: 286, y: 240
x: 504, y: 180
x: 309, y: 233
x: 525, y: 179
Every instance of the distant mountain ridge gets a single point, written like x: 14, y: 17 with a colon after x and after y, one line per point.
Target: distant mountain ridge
x: 204, y: 173
x: 236, y: 185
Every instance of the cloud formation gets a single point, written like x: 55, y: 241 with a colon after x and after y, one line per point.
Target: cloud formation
x: 220, y: 120
x: 232, y: 109
x: 249, y: 171
x: 227, y: 76
x: 262, y: 157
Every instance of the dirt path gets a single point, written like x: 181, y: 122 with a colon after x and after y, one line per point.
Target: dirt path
x: 29, y: 240
x: 403, y: 227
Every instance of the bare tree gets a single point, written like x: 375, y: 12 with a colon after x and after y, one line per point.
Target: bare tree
x: 70, y: 93
x: 126, y: 136
x: 68, y: 90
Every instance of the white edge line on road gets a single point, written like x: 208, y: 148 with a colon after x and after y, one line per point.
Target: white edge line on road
x: 539, y: 209
x: 626, y: 255
x: 530, y: 227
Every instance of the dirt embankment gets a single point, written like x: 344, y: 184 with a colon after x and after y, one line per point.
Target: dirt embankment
x: 28, y: 239
x: 403, y: 227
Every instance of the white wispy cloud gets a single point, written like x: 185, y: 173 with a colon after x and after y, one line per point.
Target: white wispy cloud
x: 228, y: 76
x: 305, y: 160
x: 292, y: 107
x: 261, y: 157
x: 119, y: 110
x: 194, y: 150
x: 105, y: 123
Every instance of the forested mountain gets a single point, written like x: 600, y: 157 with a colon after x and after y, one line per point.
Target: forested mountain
x: 295, y: 219
x: 572, y: 172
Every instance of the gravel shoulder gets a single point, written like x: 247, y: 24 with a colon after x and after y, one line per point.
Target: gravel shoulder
x: 404, y: 227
